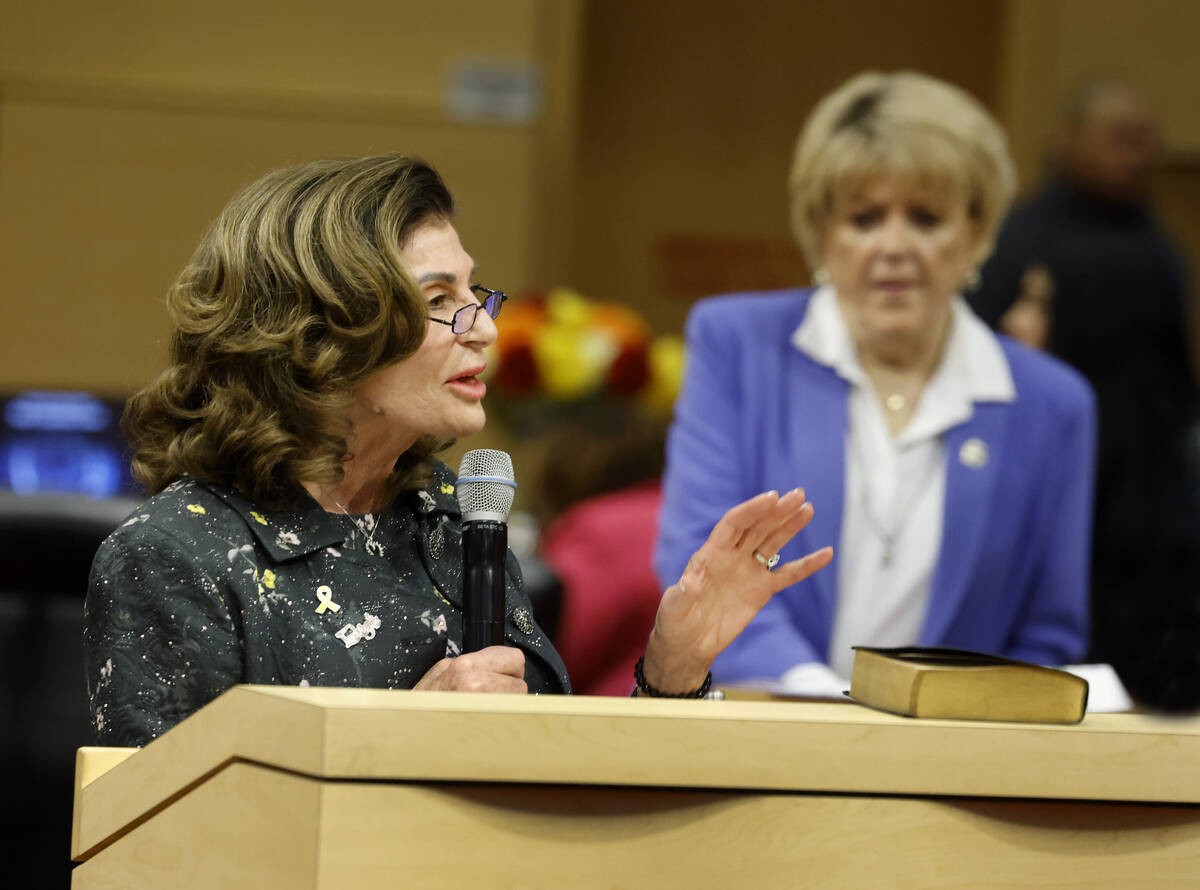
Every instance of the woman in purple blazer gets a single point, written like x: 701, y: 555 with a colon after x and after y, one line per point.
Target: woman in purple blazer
x: 951, y: 469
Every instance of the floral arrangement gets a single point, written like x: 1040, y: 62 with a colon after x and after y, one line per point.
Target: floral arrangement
x: 559, y: 347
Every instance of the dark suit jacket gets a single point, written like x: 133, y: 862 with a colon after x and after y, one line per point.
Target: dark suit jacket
x: 199, y: 591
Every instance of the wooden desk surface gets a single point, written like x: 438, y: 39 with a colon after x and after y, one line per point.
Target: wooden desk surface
x: 381, y: 735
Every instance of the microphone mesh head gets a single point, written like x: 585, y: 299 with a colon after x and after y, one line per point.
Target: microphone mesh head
x: 486, y: 485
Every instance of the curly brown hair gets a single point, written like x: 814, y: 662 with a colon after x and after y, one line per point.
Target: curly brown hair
x: 296, y: 294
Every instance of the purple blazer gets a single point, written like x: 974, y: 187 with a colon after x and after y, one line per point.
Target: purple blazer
x: 756, y: 414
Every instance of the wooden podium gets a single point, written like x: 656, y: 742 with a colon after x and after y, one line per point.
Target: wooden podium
x: 355, y: 788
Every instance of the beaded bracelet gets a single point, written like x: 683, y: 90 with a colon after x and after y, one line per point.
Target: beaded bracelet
x: 645, y: 688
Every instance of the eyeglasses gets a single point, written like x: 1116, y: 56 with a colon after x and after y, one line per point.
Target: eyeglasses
x: 464, y: 319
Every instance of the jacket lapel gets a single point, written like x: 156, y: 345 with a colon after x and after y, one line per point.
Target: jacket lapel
x: 439, y: 535
x: 816, y: 455
x: 284, y: 534
x: 974, y: 455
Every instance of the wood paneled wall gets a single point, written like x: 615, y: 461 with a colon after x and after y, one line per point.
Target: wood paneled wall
x: 690, y: 110
x: 655, y: 171
x: 1050, y: 46
x: 125, y: 127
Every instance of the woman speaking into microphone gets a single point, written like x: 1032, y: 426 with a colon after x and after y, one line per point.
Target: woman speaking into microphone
x: 328, y: 338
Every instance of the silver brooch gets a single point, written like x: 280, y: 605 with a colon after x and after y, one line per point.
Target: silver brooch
x: 437, y: 542
x: 427, y: 501
x: 523, y: 620
x: 355, y: 633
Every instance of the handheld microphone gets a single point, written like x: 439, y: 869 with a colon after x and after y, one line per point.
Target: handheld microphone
x: 485, y: 494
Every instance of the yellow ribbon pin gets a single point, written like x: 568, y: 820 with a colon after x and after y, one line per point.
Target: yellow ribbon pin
x: 325, y: 595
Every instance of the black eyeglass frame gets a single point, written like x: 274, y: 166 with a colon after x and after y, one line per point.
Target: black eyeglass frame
x: 491, y: 305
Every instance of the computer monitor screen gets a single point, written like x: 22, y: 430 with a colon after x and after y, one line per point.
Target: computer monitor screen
x: 63, y: 442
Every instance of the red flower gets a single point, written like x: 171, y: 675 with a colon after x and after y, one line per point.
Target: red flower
x: 518, y: 374
x: 629, y: 371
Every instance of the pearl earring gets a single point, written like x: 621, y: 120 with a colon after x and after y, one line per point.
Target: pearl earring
x: 821, y: 276
x: 974, y: 280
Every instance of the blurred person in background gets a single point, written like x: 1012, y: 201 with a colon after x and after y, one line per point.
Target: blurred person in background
x: 601, y: 480
x: 328, y: 337
x: 1084, y: 270
x: 953, y: 467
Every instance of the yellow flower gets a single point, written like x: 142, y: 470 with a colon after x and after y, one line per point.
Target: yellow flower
x: 258, y: 518
x: 447, y: 488
x: 196, y: 508
x: 667, y: 358
x: 268, y: 578
x: 572, y: 360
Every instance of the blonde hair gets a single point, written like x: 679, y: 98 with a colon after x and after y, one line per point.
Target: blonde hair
x: 296, y: 294
x: 904, y: 124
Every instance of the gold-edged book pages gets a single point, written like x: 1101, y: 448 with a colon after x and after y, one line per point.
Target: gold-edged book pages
x: 956, y: 684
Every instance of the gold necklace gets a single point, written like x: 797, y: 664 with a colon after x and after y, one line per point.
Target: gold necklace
x: 895, y: 402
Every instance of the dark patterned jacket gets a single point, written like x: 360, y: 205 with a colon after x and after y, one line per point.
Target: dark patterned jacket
x: 198, y: 591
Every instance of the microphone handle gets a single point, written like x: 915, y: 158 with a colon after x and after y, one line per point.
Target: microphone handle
x: 485, y: 544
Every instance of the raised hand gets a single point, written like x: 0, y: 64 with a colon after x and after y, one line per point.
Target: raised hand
x: 724, y: 586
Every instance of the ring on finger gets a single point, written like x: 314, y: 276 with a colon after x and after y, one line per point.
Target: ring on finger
x: 767, y: 562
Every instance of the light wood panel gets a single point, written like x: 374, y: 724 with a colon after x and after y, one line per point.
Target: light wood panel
x: 832, y: 747
x: 690, y: 110
x: 1052, y: 45
x: 208, y: 741
x: 394, y: 51
x: 252, y: 826
x: 90, y: 239
x: 248, y: 826
x: 340, y: 788
x: 125, y: 127
x: 588, y: 837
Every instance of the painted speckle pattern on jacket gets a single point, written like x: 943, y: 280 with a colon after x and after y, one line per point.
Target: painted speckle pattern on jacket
x: 200, y: 589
